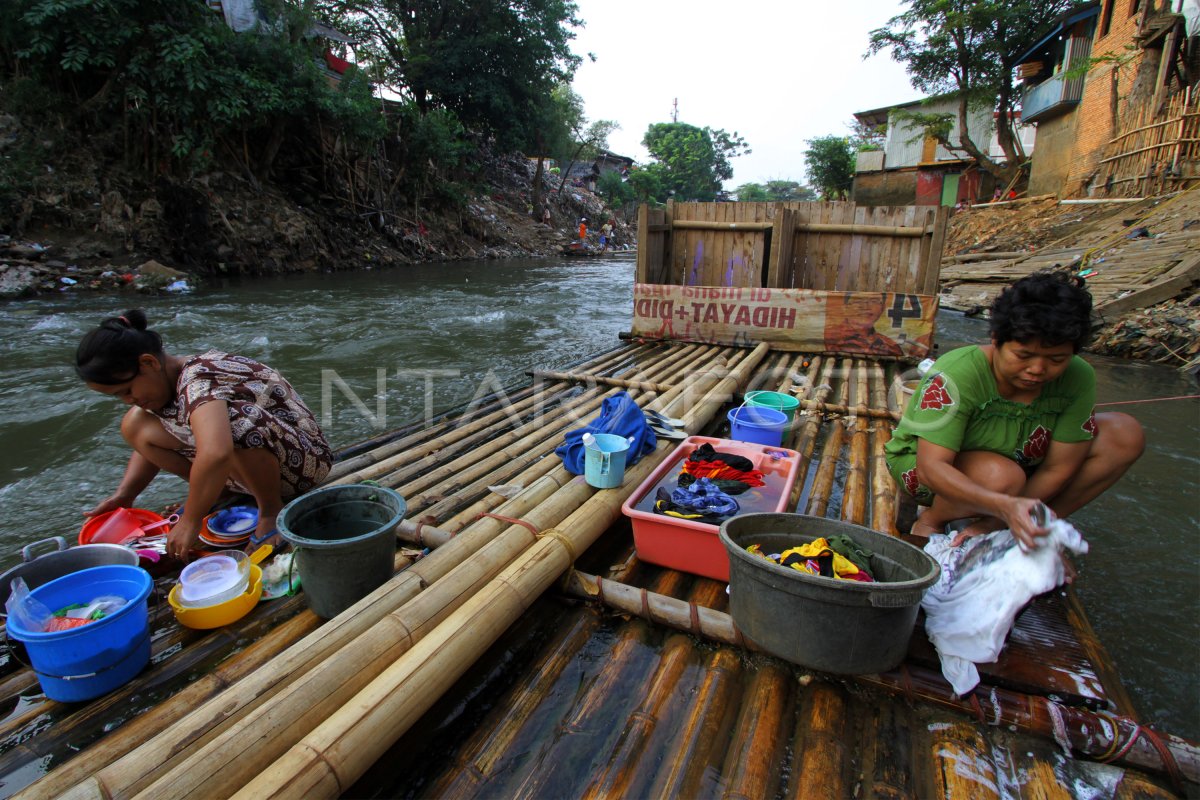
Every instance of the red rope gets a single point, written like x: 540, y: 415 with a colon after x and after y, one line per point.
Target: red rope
x: 1151, y: 400
x: 511, y: 521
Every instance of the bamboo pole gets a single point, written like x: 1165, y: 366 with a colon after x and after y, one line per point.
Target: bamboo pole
x: 135, y: 768
x: 587, y: 378
x: 820, y: 745
x: 861, y: 410
x: 883, y: 487
x: 854, y: 498
x: 1097, y: 735
x: 77, y: 726
x: 616, y: 779
x: 822, y: 489
x: 889, y: 762
x: 160, y: 719
x: 700, y: 735
x: 484, y: 757
x: 962, y: 763
x: 332, y: 684
x: 335, y: 753
x: 805, y: 441
x: 751, y: 767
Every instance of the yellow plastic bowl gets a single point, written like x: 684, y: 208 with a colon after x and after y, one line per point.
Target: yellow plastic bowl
x: 222, y: 613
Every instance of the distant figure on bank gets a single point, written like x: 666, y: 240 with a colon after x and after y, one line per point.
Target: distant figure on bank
x: 221, y: 422
x: 996, y: 429
x: 583, y: 229
x: 605, y: 235
x: 545, y: 215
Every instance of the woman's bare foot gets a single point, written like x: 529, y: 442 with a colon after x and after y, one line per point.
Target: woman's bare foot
x: 977, y: 528
x: 265, y: 533
x: 924, y: 529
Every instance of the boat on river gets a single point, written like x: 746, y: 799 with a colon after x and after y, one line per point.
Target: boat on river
x: 523, y: 649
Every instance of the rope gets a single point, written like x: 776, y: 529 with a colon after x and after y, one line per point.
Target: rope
x: 1168, y: 758
x: 529, y: 526
x: 1150, y: 400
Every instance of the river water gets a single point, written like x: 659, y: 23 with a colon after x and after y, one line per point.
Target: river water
x: 371, y: 351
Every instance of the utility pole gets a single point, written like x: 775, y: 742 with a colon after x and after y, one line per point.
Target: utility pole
x: 675, y: 110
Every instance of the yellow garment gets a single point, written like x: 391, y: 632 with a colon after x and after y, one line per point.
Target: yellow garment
x: 842, y: 566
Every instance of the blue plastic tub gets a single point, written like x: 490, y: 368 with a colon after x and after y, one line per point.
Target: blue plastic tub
x: 758, y: 425
x: 86, y: 662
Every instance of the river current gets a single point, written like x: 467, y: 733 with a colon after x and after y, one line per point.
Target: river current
x: 374, y: 350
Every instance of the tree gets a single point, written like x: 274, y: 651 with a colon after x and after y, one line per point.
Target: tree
x: 966, y: 49
x: 693, y: 161
x: 494, y: 65
x: 774, y: 191
x: 616, y: 191
x: 829, y: 162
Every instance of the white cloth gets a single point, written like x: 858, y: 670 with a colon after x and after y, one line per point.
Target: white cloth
x: 984, y: 583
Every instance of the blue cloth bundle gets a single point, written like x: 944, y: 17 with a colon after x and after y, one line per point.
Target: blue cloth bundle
x: 620, y: 416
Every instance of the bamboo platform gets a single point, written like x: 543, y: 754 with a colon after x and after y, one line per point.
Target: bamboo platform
x: 476, y: 672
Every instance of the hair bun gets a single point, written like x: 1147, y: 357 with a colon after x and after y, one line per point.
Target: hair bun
x: 134, y: 318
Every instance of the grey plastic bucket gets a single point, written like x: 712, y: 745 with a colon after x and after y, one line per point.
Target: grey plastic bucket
x: 827, y: 624
x: 345, y: 540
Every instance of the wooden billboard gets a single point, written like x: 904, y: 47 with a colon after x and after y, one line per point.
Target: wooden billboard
x: 877, y: 324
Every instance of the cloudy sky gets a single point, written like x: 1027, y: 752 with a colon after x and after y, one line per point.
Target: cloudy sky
x: 776, y: 71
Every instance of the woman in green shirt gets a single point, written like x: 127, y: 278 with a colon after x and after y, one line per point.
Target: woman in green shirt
x: 994, y: 430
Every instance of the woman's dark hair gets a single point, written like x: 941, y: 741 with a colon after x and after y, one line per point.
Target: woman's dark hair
x: 109, y: 354
x: 1050, y: 307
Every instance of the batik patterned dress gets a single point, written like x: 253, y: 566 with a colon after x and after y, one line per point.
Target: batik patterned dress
x: 959, y: 407
x: 264, y: 411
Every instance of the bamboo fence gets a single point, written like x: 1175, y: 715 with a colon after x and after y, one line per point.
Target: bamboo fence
x: 1155, y: 151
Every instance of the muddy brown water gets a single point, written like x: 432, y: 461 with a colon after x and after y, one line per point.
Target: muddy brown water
x: 371, y: 351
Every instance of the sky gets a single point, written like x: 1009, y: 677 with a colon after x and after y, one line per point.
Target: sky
x: 776, y: 71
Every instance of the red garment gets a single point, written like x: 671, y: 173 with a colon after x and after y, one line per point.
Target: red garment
x: 719, y: 470
x: 582, y: 231
x: 338, y: 65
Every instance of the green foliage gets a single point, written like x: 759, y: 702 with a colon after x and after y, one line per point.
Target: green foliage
x: 432, y: 150
x: 965, y: 50
x: 829, y: 162
x: 752, y: 193
x: 649, y: 184
x: 174, y: 70
x: 774, y: 191
x: 615, y: 190
x: 867, y: 137
x: 692, y: 161
x: 493, y: 64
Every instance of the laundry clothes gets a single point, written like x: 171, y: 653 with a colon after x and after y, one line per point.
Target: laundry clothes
x: 816, y: 558
x: 619, y: 415
x: 706, y: 462
x: 701, y: 501
x: 726, y: 486
x: 985, y: 582
x: 852, y: 550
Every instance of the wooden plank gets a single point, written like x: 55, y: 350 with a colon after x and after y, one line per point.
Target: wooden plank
x: 721, y: 225
x: 1156, y: 293
x: 928, y: 282
x: 782, y: 240
x: 643, y: 253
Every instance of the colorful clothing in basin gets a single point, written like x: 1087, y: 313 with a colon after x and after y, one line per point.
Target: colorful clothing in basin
x: 959, y: 407
x: 264, y: 411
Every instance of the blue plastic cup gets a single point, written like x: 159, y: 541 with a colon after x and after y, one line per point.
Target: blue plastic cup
x: 604, y: 461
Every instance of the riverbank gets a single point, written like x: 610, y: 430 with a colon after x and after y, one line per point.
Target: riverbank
x: 87, y: 223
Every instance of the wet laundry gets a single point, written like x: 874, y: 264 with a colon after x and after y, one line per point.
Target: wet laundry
x: 701, y: 501
x: 707, y: 462
x: 816, y: 558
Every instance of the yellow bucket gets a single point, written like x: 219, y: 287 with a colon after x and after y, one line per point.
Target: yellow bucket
x: 222, y: 613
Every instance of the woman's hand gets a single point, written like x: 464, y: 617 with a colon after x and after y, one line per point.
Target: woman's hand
x: 1021, y: 514
x: 182, y: 539
x: 111, y: 503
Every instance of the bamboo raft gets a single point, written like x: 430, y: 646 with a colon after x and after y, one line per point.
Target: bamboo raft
x: 470, y: 674
x: 521, y: 649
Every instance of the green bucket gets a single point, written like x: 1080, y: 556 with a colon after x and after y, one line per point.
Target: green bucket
x: 776, y: 400
x: 345, y: 540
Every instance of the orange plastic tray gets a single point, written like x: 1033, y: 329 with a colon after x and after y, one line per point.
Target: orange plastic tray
x: 694, y: 546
